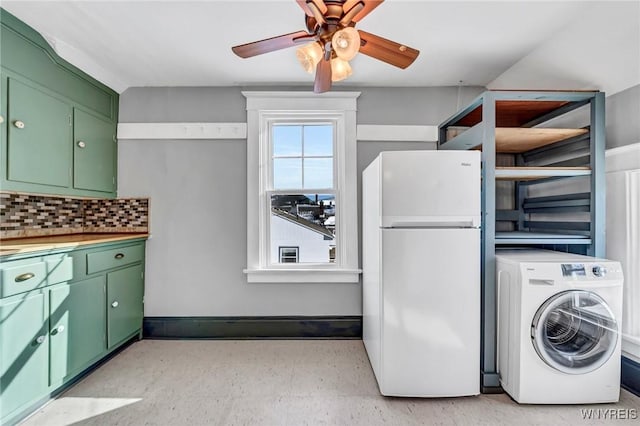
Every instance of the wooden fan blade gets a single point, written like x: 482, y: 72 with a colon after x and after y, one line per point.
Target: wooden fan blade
x: 322, y: 7
x: 270, y: 44
x: 387, y: 51
x: 323, y: 77
x: 369, y: 5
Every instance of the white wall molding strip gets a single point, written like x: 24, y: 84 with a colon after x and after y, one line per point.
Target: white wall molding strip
x: 182, y: 131
x: 633, y: 147
x: 623, y: 235
x: 631, y: 347
x: 621, y: 158
x: 401, y: 133
x: 365, y: 132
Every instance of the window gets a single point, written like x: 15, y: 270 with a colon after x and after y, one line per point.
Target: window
x: 301, y: 173
x: 288, y: 254
x: 301, y: 189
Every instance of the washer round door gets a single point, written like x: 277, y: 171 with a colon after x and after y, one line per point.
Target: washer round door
x: 574, y: 332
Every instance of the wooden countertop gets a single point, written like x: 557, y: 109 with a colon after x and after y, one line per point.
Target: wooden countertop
x: 34, y: 244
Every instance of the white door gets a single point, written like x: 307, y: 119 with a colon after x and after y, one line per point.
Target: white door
x: 431, y: 312
x: 423, y: 187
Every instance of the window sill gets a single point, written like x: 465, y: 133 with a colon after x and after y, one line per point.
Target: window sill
x: 303, y: 275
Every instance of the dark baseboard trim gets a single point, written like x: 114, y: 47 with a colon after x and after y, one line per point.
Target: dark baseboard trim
x: 491, y: 389
x: 630, y: 377
x: 490, y: 383
x: 282, y: 327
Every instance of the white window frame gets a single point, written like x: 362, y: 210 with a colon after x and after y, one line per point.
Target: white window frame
x: 264, y: 109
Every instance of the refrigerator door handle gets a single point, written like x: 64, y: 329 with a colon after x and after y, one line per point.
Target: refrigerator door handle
x: 430, y: 222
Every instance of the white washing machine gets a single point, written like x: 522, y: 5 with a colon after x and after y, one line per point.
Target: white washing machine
x: 558, y: 327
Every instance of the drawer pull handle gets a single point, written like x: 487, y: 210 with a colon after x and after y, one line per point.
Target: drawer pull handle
x: 25, y: 277
x: 115, y: 304
x: 119, y: 256
x: 81, y: 144
x: 40, y: 339
x: 19, y: 124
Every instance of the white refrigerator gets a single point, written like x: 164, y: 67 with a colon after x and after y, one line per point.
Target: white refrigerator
x: 421, y: 272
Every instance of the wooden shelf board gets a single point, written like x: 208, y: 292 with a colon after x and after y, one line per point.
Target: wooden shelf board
x: 516, y: 140
x: 532, y: 173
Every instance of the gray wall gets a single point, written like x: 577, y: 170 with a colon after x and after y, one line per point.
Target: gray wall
x: 623, y: 117
x: 197, y: 251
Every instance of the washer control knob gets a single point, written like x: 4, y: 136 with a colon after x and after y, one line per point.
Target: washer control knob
x: 599, y: 271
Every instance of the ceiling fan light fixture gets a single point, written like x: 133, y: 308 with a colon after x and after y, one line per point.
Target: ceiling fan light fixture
x: 346, y: 43
x: 340, y: 69
x: 309, y: 55
x: 333, y: 41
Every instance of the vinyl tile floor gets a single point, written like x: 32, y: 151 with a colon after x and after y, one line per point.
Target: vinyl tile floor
x: 279, y: 382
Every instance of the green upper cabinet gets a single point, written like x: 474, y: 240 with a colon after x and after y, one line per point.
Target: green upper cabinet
x: 94, y: 153
x: 39, y: 133
x: 48, y: 107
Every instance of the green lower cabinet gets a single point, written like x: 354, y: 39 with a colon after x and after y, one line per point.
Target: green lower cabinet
x: 78, y: 325
x: 24, y: 351
x: 82, y: 305
x: 125, y: 290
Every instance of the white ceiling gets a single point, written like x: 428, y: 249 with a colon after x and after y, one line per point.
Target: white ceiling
x: 182, y: 43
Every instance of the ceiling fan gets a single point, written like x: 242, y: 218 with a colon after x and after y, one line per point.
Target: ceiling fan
x: 331, y: 41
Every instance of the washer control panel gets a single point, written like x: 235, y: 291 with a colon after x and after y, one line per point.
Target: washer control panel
x: 598, y: 270
x: 585, y: 270
x: 573, y: 270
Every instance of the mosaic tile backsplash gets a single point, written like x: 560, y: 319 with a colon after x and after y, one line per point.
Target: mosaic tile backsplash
x: 121, y: 214
x: 25, y: 215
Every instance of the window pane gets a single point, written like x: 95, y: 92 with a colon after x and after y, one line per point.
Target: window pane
x: 318, y: 140
x: 287, y: 140
x: 318, y: 173
x: 288, y: 254
x: 304, y: 223
x: 287, y: 173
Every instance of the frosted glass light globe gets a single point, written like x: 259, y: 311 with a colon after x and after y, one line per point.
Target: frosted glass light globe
x: 309, y: 55
x: 346, y: 43
x: 340, y: 69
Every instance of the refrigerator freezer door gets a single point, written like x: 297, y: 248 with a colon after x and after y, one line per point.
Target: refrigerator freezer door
x: 431, y: 312
x: 430, y: 188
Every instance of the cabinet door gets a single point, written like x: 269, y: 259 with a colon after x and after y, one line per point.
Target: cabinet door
x: 4, y: 83
x: 124, y: 303
x: 39, y: 148
x: 24, y: 349
x: 78, y: 326
x: 94, y: 153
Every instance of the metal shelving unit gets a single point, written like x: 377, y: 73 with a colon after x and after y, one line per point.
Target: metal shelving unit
x: 515, y: 123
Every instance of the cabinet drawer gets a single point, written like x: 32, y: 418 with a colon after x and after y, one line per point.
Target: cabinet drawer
x: 25, y: 275
x: 114, y: 258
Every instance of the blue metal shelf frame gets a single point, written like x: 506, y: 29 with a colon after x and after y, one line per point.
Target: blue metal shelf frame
x: 485, y: 131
